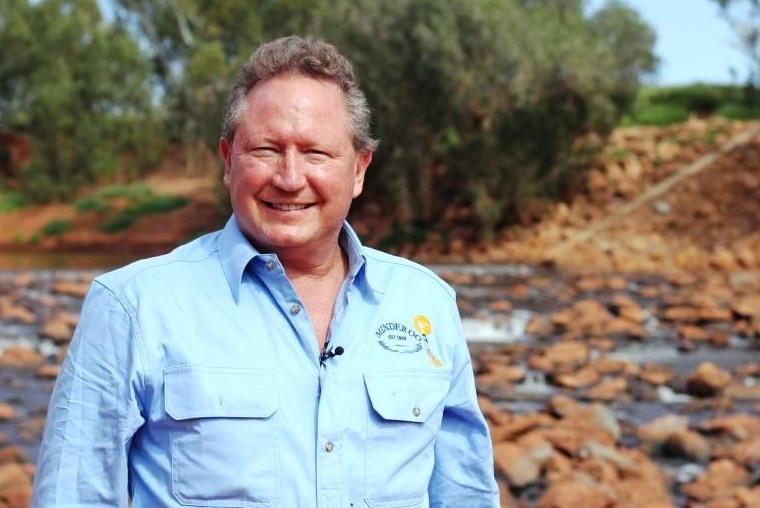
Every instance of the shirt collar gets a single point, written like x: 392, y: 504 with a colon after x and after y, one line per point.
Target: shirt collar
x: 236, y: 252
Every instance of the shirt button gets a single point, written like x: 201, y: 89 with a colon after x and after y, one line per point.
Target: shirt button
x: 416, y: 411
x: 269, y: 264
x: 329, y: 447
x: 295, y: 308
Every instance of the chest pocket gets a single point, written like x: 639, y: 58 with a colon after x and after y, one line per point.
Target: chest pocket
x: 225, y: 439
x: 407, y: 407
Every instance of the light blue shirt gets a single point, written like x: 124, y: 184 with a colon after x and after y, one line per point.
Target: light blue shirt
x: 195, y: 379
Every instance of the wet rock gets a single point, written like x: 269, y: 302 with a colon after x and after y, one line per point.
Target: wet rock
x: 581, y: 378
x: 686, y: 444
x: 77, y: 289
x: 708, y: 380
x: 13, y: 454
x: 657, y: 431
x: 738, y: 426
x: 519, y: 464
x: 13, y: 311
x: 608, y: 390
x: 656, y: 375
x: 59, y: 328
x: 576, y: 493
x: 20, y: 357
x: 745, y: 452
x: 520, y: 425
x: 48, y: 371
x: 562, y: 355
x: 7, y: 412
x: 721, y: 479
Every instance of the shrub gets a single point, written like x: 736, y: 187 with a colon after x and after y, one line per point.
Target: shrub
x: 56, y: 227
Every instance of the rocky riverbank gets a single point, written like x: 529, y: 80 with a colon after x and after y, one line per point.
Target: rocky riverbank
x: 604, y: 391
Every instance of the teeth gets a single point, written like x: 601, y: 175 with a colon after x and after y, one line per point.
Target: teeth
x: 286, y: 207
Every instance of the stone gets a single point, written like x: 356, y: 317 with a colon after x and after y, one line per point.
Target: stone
x: 654, y: 433
x: 686, y: 444
x: 576, y: 493
x: 720, y: 480
x: 739, y: 426
x: 7, y: 412
x: 20, y: 357
x: 708, y: 380
x: 520, y: 466
x: 15, y: 485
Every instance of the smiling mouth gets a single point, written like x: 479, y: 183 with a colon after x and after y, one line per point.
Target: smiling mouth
x: 287, y: 207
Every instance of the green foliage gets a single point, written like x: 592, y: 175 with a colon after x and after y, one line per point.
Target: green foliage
x: 479, y: 104
x: 667, y: 105
x: 77, y: 86
x: 140, y: 200
x: 10, y: 201
x: 127, y: 216
x: 56, y: 227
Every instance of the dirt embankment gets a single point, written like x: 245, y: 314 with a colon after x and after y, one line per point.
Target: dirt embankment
x: 682, y: 198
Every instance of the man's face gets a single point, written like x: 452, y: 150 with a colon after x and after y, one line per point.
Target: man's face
x: 292, y: 170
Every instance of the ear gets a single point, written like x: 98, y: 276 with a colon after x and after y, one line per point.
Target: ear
x: 362, y: 163
x: 225, y: 152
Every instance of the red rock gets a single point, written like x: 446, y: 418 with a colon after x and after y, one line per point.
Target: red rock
x: 48, y: 371
x: 739, y: 426
x: 681, y: 314
x: 707, y: 380
x: 721, y: 479
x: 7, y: 412
x: 607, y: 391
x: 687, y: 444
x: 581, y: 378
x: 657, y: 431
x: 72, y: 288
x: 20, y: 357
x: 572, y: 493
x: 14, y: 312
x: 15, y: 485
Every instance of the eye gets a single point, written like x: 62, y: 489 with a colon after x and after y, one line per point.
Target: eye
x: 264, y: 151
x: 316, y: 154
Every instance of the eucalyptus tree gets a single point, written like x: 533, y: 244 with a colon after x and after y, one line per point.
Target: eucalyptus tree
x: 480, y: 104
x: 78, y: 87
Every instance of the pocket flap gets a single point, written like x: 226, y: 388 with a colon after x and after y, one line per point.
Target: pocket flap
x: 193, y: 391
x: 409, y: 395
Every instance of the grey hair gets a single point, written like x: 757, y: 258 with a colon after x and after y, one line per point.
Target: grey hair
x: 309, y: 57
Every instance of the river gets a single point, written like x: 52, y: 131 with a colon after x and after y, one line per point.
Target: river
x: 497, y: 304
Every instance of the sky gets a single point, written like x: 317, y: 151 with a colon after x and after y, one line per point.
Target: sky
x: 694, y: 43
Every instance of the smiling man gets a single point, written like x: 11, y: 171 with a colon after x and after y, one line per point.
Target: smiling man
x: 276, y: 362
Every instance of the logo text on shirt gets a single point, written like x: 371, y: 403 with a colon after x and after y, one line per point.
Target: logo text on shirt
x: 400, y: 338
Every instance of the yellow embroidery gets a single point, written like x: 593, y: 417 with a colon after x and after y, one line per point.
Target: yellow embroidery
x: 422, y: 324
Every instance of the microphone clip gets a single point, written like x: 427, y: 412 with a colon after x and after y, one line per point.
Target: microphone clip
x: 330, y: 353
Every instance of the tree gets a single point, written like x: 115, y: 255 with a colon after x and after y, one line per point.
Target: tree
x: 480, y: 104
x: 77, y: 86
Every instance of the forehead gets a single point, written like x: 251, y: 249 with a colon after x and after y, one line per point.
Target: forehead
x: 297, y: 92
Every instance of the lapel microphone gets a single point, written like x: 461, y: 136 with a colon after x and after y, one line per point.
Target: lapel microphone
x: 330, y: 353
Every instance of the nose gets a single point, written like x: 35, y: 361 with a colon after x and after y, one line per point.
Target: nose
x: 289, y: 175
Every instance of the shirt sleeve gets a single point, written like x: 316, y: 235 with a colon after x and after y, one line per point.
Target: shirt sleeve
x: 463, y: 474
x: 94, y: 411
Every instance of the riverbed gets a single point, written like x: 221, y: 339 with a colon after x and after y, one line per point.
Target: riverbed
x: 511, y: 314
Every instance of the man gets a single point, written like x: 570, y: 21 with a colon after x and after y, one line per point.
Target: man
x: 276, y: 362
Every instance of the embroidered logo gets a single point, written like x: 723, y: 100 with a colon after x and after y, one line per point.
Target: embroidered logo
x: 400, y: 338
x: 422, y: 324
